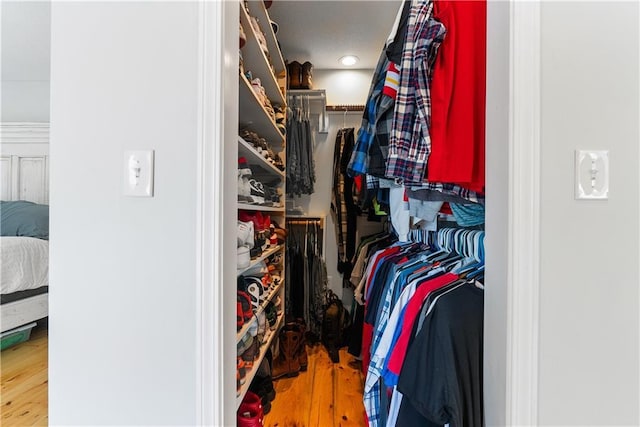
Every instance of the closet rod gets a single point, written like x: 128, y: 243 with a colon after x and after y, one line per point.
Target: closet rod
x: 305, y: 221
x: 342, y: 108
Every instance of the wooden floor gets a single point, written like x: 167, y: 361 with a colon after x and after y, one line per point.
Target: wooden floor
x: 326, y: 395
x: 23, y: 401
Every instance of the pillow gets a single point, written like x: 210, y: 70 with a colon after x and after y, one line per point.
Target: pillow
x: 22, y: 218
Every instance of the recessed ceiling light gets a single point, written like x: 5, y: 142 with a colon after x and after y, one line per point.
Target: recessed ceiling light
x: 349, y: 60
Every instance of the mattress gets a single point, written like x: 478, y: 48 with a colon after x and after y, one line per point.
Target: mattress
x: 24, y: 264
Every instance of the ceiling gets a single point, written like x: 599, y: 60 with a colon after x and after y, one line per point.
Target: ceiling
x: 323, y: 31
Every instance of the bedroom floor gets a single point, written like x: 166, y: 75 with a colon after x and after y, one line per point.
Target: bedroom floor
x: 24, y: 372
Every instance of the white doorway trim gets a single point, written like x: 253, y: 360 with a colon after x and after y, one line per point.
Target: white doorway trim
x: 217, y: 201
x: 524, y: 215
x: 215, y: 349
x: 210, y: 363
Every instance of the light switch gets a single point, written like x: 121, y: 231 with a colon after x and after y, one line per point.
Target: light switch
x: 138, y: 173
x: 592, y: 174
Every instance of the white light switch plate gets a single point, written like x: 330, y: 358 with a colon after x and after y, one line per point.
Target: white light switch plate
x: 138, y: 173
x: 592, y: 174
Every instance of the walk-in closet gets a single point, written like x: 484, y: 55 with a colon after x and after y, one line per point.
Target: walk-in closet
x: 361, y: 213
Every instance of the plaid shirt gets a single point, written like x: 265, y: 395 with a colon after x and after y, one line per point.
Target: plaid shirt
x: 410, y: 144
x: 359, y: 162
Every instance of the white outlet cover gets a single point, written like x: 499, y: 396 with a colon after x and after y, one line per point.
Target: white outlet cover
x: 137, y: 170
x: 592, y: 174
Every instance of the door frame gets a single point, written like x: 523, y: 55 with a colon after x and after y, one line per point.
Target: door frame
x: 215, y: 350
x: 523, y: 264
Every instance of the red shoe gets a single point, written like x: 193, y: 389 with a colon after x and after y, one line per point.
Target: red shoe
x: 250, y: 413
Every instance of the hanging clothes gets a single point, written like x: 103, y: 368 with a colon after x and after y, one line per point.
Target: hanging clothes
x: 441, y: 377
x: 458, y: 96
x: 404, y: 283
x: 427, y: 129
x: 306, y: 273
x: 300, y: 163
x: 344, y: 210
x: 410, y: 143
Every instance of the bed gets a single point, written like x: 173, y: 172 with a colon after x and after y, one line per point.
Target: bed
x: 24, y: 182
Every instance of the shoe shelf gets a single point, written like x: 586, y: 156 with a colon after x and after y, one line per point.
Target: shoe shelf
x: 248, y: 207
x: 265, y: 254
x: 257, y: 9
x: 253, y: 116
x: 268, y: 339
x: 270, y: 68
x: 272, y: 293
x: 256, y: 61
x: 256, y: 159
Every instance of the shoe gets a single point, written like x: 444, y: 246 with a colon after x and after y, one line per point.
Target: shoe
x: 244, y: 189
x: 248, y: 349
x: 262, y: 326
x: 257, y: 217
x: 306, y: 79
x: 243, y: 37
x: 287, y: 363
x: 246, y: 234
x: 245, y: 343
x: 253, y: 287
x: 256, y: 84
x: 263, y: 387
x: 244, y: 306
x: 295, y: 75
x: 271, y: 314
x: 243, y: 167
x: 280, y: 118
x: 278, y: 303
x: 257, y: 191
x: 262, y: 41
x: 242, y: 371
x: 239, y: 318
x: 244, y: 257
x: 244, y: 174
x: 248, y: 418
x: 250, y: 412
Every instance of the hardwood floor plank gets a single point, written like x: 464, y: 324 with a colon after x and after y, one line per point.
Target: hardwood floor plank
x: 327, y: 395
x: 322, y: 410
x: 24, y: 372
x: 349, y: 410
x: 293, y: 402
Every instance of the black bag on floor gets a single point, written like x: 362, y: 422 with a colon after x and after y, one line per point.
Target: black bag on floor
x: 334, y: 322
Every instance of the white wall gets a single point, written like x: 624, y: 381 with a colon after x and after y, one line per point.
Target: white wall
x: 344, y: 86
x: 589, y: 249
x: 497, y: 209
x: 122, y: 294
x: 25, y: 34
